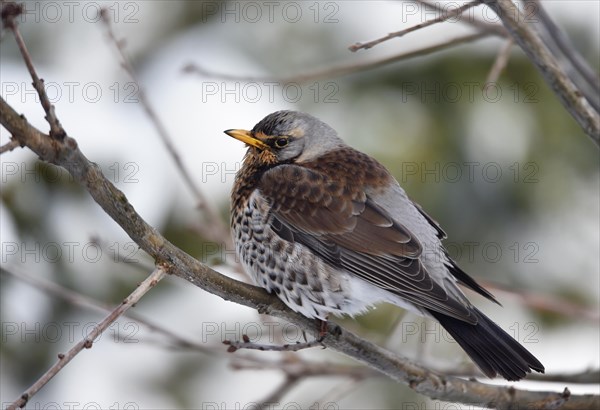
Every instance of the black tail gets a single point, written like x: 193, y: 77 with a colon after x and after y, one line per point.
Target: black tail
x: 490, y: 347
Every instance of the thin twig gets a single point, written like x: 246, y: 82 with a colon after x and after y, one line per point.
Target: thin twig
x: 247, y: 344
x: 9, y: 146
x: 218, y: 228
x: 455, y: 12
x: 499, y: 63
x: 87, y: 342
x: 9, y: 12
x: 339, y: 71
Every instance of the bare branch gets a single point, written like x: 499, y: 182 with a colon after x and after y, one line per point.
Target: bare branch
x: 218, y: 229
x: 563, y: 46
x: 570, y: 96
x: 500, y: 63
x: 9, y: 12
x: 339, y: 71
x: 447, y: 15
x: 9, y: 146
x: 87, y: 342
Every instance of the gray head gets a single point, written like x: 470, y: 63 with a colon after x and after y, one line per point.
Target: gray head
x: 291, y: 136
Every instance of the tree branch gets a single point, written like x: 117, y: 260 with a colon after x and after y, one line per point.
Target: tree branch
x: 87, y: 342
x: 67, y: 154
x: 562, y: 45
x: 500, y: 63
x: 570, y: 96
x: 9, y: 146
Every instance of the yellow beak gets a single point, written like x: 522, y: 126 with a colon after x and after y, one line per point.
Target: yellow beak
x: 247, y: 138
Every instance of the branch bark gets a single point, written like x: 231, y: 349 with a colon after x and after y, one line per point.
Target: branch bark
x: 66, y: 153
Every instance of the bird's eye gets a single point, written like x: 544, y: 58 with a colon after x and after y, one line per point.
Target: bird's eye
x: 281, y: 142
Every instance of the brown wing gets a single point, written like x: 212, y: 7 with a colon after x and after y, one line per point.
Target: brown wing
x: 341, y: 224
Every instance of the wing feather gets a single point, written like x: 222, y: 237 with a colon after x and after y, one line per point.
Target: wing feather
x: 349, y: 231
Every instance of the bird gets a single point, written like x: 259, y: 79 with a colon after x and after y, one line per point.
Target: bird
x: 329, y: 231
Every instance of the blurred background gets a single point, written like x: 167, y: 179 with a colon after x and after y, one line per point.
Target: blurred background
x: 505, y: 170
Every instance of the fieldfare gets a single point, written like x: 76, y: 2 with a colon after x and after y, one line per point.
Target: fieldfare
x: 330, y: 231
